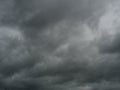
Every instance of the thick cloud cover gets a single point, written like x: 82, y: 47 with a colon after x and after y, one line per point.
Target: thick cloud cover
x: 59, y: 45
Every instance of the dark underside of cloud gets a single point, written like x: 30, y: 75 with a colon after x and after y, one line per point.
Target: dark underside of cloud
x: 59, y: 45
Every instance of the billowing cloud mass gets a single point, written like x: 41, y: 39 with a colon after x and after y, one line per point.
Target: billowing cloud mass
x: 59, y: 45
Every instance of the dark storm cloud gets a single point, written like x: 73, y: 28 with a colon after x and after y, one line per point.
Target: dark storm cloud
x: 51, y: 45
x: 34, y: 15
x: 105, y: 85
x: 110, y: 45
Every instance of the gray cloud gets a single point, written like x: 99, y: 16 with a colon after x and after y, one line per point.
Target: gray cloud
x: 59, y: 45
x: 39, y: 14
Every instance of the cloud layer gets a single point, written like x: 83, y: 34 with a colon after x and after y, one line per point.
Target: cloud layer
x: 59, y: 45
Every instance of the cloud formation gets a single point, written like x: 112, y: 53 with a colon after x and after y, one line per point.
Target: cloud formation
x: 59, y: 45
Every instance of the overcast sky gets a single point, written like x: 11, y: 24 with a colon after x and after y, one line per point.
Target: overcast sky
x: 59, y: 45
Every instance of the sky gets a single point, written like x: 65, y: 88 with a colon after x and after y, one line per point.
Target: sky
x: 59, y: 45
